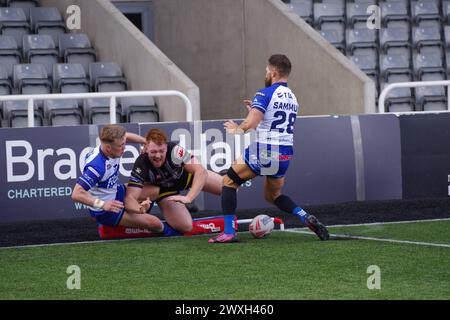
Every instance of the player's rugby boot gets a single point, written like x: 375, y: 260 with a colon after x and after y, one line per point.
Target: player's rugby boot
x: 224, y: 238
x: 318, y: 228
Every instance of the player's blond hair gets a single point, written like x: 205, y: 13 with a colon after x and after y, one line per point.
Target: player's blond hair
x: 111, y: 132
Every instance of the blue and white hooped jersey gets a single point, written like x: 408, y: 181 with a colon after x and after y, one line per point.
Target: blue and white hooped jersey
x: 100, y: 175
x: 280, y: 107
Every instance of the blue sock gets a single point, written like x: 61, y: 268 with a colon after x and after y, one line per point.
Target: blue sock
x: 302, y: 214
x: 168, y: 231
x: 286, y: 204
x: 229, y: 224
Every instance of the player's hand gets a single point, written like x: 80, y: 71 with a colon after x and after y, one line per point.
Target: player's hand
x: 180, y: 199
x: 248, y: 104
x: 113, y: 205
x: 232, y: 127
x: 145, y: 205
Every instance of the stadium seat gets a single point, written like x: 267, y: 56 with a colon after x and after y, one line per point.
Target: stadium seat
x: 393, y: 11
x: 361, y: 38
x: 328, y: 12
x: 435, y: 105
x: 428, y: 62
x: 393, y: 64
x: 399, y: 97
x: 140, y: 109
x: 5, y: 83
x: 333, y: 37
x: 69, y: 78
x: 366, y: 62
x: 394, y: 37
x: 304, y: 8
x: 446, y: 11
x: 434, y: 94
x: 447, y: 60
x: 40, y: 49
x: 447, y: 36
x: 338, y: 29
x: 63, y: 112
x: 97, y: 111
x: 9, y: 54
x: 13, y: 22
x: 25, y: 5
x: 16, y: 114
x: 31, y: 79
x: 399, y: 107
x: 425, y: 10
x: 47, y: 21
x: 76, y: 48
x: 357, y: 12
x: 406, y: 52
x: 106, y: 77
x: 426, y: 35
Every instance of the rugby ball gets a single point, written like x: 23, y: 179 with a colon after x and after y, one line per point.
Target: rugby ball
x: 261, y: 226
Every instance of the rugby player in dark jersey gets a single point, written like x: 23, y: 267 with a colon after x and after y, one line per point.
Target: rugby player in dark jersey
x: 166, y: 169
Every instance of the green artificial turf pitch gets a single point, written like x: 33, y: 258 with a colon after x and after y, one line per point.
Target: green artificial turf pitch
x: 285, y: 266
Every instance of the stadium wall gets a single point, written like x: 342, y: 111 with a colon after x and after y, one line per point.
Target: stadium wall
x: 223, y: 45
x: 116, y: 39
x: 337, y: 159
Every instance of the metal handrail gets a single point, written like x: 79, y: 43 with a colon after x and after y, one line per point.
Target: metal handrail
x: 112, y: 104
x: 416, y: 84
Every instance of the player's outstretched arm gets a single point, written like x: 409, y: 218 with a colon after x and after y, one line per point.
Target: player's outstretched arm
x: 252, y: 120
x: 199, y: 174
x: 84, y: 197
x: 134, y: 138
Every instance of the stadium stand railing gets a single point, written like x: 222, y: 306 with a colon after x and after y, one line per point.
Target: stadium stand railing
x: 417, y: 84
x: 30, y: 110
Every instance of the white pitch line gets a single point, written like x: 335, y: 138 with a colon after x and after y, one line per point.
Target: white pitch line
x: 298, y: 230
x: 383, y: 223
x: 70, y: 243
x: 346, y: 236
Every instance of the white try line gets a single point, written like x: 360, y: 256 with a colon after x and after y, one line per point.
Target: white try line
x: 296, y: 230
x: 382, y: 223
x: 347, y: 236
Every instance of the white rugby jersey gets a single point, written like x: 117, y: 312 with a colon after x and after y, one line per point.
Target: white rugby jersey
x: 100, y: 175
x: 280, y: 107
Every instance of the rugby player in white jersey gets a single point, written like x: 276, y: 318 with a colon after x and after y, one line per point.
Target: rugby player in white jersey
x: 98, y: 187
x: 272, y: 114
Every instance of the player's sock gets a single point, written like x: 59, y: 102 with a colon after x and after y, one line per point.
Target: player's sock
x: 168, y: 231
x: 286, y: 204
x: 229, y: 204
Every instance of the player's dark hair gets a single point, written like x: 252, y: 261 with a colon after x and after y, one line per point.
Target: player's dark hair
x: 111, y: 132
x: 281, y: 63
x: 157, y: 136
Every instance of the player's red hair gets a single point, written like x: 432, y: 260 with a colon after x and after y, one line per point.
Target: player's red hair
x: 157, y: 136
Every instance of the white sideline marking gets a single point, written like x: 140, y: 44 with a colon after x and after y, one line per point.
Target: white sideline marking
x: 382, y: 223
x: 68, y: 243
x: 346, y: 236
x: 298, y: 230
